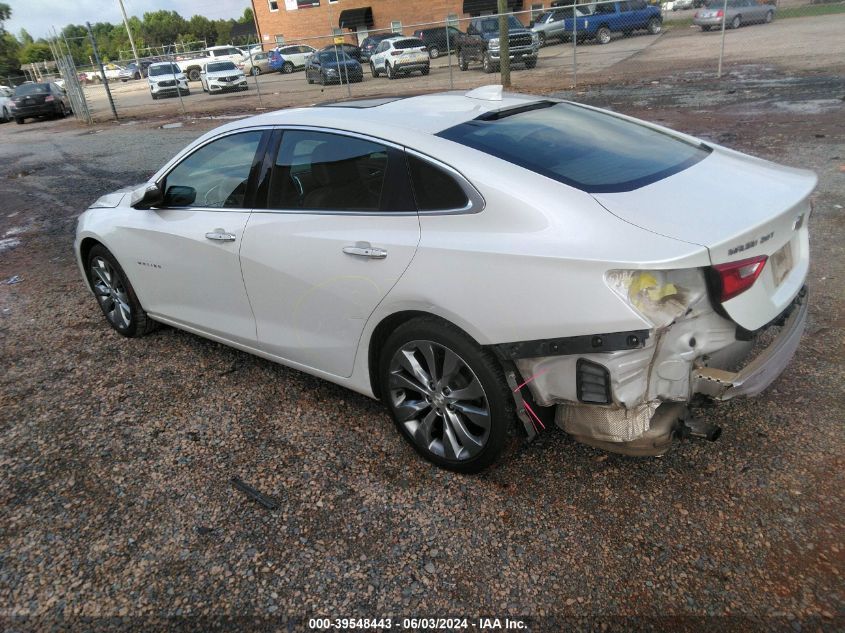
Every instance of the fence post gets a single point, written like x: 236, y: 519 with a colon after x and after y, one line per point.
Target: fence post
x: 449, y: 53
x: 504, y: 44
x: 574, y: 46
x: 722, y: 49
x: 254, y: 76
x: 102, y: 70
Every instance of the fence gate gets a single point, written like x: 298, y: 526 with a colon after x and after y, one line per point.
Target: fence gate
x: 74, y: 89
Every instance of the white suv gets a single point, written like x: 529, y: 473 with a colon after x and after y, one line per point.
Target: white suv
x: 165, y: 78
x: 400, y: 55
x: 295, y: 57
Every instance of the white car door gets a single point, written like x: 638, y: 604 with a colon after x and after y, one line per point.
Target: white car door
x: 380, y: 55
x: 339, y: 230
x: 183, y: 257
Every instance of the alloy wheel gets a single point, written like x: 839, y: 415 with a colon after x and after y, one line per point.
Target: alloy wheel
x: 439, y: 400
x: 111, y: 293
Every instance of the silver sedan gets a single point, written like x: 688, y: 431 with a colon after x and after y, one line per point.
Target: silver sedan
x: 735, y: 13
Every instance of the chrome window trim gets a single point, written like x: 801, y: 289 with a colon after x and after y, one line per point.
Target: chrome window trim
x: 475, y: 201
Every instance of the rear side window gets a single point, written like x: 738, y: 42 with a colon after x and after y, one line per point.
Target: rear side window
x: 434, y: 188
x: 592, y: 151
x: 408, y: 44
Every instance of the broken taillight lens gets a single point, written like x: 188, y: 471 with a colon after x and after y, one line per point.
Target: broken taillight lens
x: 661, y: 296
x: 737, y: 277
x: 720, y: 14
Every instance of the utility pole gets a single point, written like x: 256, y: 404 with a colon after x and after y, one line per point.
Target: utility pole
x: 504, y: 44
x: 129, y: 33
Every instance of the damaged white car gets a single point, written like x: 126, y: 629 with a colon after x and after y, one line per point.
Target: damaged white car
x: 477, y: 261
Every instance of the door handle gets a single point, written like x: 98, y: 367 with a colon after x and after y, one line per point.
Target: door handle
x: 219, y: 235
x: 363, y: 249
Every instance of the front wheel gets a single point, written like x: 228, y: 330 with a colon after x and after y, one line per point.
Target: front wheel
x: 115, y: 295
x: 542, y: 38
x: 531, y: 62
x: 463, y: 64
x: 194, y: 74
x: 769, y: 16
x: 373, y: 69
x: 735, y: 23
x: 603, y: 35
x: 391, y: 73
x: 425, y: 71
x: 654, y: 26
x: 255, y: 71
x: 434, y: 52
x: 19, y: 120
x: 447, y: 395
x: 487, y: 64
x: 287, y: 68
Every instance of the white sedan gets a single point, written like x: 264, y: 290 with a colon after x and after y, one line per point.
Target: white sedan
x: 222, y: 76
x: 482, y: 263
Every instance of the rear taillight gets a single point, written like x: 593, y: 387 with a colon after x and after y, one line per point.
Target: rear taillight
x: 720, y: 14
x: 737, y: 277
x: 395, y: 53
x: 48, y: 98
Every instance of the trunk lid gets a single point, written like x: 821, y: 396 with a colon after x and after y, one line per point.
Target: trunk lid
x: 738, y: 207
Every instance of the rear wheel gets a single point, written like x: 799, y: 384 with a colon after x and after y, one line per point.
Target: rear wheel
x: 373, y: 70
x: 654, y: 26
x: 463, y: 64
x: 542, y: 37
x: 391, y: 73
x: 287, y: 68
x: 434, y: 52
x: 769, y: 16
x: 447, y: 395
x: 255, y: 71
x: 6, y: 115
x: 115, y: 295
x: 736, y: 22
x: 603, y: 35
x: 487, y: 64
x: 194, y: 74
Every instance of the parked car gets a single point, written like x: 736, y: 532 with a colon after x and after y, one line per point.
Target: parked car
x: 275, y: 61
x: 166, y: 79
x: 400, y: 55
x: 350, y: 49
x: 222, y: 76
x: 466, y: 256
x: 295, y: 57
x: 6, y: 104
x: 739, y: 12
x: 45, y: 99
x: 257, y: 64
x: 333, y: 66
x: 617, y: 17
x: 193, y: 63
x: 552, y: 25
x: 139, y: 72
x: 437, y: 41
x: 368, y: 46
x: 481, y: 44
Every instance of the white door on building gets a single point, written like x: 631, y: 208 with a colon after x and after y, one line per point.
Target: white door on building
x: 361, y: 32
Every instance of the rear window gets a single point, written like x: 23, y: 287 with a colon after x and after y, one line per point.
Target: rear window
x: 414, y: 43
x: 31, y: 89
x: 592, y: 151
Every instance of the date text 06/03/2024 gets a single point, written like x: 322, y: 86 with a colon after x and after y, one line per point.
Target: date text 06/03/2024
x: 416, y: 624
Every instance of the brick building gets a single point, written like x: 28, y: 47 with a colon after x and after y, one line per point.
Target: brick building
x: 310, y: 21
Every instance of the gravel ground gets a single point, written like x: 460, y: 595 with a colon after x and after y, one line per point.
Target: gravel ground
x: 117, y: 454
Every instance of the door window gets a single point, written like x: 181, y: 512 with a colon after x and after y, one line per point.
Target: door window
x: 215, y: 175
x: 321, y: 171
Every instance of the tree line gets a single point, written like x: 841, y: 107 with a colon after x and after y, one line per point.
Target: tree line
x: 155, y: 29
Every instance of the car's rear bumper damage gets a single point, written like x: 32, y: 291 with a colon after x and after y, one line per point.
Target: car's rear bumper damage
x: 633, y: 397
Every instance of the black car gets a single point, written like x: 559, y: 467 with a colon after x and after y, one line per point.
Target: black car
x: 333, y: 66
x: 350, y: 49
x: 39, y: 100
x: 368, y: 46
x: 436, y: 39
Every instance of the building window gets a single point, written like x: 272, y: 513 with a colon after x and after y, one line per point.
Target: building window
x: 536, y: 10
x: 396, y: 26
x: 280, y: 40
x: 307, y: 4
x: 274, y: 5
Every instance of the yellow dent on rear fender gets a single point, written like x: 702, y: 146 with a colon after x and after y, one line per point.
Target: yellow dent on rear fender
x: 645, y: 285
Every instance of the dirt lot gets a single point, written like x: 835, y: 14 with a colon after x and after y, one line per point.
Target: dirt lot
x: 117, y: 454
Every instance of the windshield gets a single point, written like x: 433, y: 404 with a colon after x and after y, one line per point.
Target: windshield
x: 331, y: 56
x: 592, y: 151
x: 414, y: 43
x: 490, y: 25
x: 164, y: 69
x: 218, y: 66
x: 31, y: 89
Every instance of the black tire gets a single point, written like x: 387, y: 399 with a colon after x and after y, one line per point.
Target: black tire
x: 487, y: 64
x: 136, y: 76
x: 434, y: 52
x: 6, y: 116
x: 255, y: 71
x: 705, y: 28
x: 736, y: 22
x: 463, y: 64
x: 194, y: 74
x: 154, y: 96
x: 495, y: 399
x: 391, y: 74
x: 138, y: 323
x: 308, y: 79
x: 19, y: 120
x: 603, y: 35
x: 769, y: 17
x: 322, y: 79
x: 373, y: 70
x: 530, y: 62
x: 425, y: 71
x: 654, y: 26
x: 287, y: 68
x: 542, y: 37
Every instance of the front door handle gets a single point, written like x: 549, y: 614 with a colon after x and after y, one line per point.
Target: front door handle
x: 363, y: 249
x: 219, y: 235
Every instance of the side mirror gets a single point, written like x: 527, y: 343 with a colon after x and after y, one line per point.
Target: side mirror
x: 145, y: 197
x: 180, y: 196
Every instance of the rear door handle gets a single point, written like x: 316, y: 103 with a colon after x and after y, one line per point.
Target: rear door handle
x: 365, y: 250
x: 219, y: 235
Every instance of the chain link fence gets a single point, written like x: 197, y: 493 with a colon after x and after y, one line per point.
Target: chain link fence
x: 553, y: 46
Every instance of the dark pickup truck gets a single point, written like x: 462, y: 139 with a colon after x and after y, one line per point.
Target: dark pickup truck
x: 481, y: 44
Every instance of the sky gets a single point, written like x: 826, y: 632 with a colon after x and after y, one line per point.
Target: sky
x: 37, y: 16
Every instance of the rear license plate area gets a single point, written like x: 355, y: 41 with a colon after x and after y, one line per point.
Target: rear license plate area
x: 782, y: 263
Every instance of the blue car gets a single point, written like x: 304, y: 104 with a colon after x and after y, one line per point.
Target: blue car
x: 276, y: 61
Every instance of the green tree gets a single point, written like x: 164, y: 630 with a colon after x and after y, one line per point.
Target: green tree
x: 9, y: 45
x: 201, y: 28
x: 163, y: 27
x: 35, y: 52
